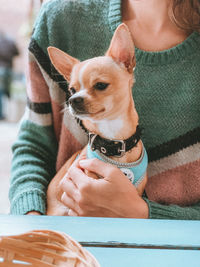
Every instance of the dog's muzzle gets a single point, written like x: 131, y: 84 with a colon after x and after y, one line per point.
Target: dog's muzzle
x: 77, y: 104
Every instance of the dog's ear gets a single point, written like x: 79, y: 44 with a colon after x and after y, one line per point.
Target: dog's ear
x: 63, y: 62
x: 122, y: 48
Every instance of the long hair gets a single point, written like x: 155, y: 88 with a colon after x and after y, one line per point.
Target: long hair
x: 186, y: 14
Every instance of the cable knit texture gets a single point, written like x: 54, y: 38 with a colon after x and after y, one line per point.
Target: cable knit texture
x: 166, y: 95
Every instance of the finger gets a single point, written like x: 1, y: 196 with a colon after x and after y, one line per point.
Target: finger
x: 81, y: 156
x: 70, y: 204
x: 78, y: 177
x: 72, y: 213
x: 97, y: 166
x: 68, y: 186
x: 73, y: 208
x: 67, y: 201
x: 73, y: 198
x: 73, y: 162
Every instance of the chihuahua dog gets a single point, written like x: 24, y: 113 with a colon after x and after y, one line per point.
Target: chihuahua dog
x: 101, y: 98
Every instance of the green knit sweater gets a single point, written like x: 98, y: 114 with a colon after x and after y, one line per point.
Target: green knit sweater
x: 166, y: 94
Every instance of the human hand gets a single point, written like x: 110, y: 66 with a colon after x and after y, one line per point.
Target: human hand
x: 112, y: 196
x: 54, y: 191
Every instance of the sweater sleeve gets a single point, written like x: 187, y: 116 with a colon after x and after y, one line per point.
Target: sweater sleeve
x: 173, y: 212
x: 33, y: 166
x: 35, y: 150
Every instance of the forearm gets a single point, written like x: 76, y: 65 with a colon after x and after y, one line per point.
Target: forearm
x: 173, y: 212
x: 33, y: 166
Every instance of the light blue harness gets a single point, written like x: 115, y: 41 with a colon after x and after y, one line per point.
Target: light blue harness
x: 135, y: 171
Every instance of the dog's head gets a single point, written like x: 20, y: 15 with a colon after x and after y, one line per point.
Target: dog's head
x: 100, y: 87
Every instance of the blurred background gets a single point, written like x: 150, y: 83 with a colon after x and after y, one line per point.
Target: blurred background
x: 16, y: 23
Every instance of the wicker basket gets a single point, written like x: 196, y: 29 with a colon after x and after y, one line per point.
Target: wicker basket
x: 44, y: 248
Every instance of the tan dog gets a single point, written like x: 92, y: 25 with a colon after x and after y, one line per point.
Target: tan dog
x: 101, y: 90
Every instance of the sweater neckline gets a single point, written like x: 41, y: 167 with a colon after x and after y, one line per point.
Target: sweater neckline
x: 189, y: 46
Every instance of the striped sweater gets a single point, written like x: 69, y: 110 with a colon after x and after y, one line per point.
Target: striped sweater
x: 166, y: 95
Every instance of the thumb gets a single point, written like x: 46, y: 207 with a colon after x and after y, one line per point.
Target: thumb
x: 97, y: 166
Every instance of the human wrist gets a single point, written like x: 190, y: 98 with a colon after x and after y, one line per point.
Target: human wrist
x: 140, y: 209
x: 144, y: 209
x: 33, y: 213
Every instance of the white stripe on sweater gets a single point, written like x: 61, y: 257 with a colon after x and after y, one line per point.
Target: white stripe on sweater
x: 39, y: 119
x: 186, y: 155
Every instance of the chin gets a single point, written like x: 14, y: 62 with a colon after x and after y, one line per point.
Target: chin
x: 89, y: 115
x: 81, y: 116
x: 97, y: 116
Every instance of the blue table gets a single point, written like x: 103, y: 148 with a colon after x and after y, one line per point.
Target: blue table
x: 121, y: 242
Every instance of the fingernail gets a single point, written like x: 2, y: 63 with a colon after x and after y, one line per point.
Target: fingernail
x: 63, y: 196
x: 83, y: 162
x: 61, y: 182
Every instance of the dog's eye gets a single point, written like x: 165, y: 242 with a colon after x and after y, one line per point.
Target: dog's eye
x: 72, y: 90
x: 101, y: 86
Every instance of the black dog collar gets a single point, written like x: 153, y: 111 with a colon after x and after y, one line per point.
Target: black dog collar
x: 115, y: 148
x: 108, y: 147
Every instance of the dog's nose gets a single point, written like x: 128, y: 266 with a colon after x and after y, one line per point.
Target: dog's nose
x: 76, y: 101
